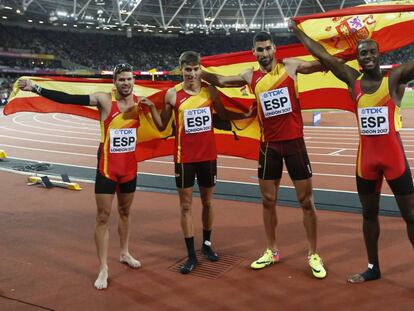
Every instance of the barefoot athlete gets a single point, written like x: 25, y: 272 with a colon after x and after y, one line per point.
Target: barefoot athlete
x: 117, y: 165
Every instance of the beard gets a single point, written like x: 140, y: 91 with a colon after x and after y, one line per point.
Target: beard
x: 124, y: 92
x: 265, y: 61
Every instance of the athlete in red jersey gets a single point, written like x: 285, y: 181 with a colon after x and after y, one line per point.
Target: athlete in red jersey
x: 380, y: 154
x: 274, y: 85
x: 117, y: 168
x: 195, y: 148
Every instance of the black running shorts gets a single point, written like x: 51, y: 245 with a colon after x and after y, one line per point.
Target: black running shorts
x: 105, y: 185
x: 206, y: 173
x: 293, y: 152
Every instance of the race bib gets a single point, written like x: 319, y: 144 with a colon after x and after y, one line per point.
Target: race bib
x: 122, y: 140
x: 373, y: 121
x: 275, y: 102
x: 197, y: 120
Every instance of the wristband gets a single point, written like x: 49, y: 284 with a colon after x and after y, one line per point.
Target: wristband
x: 37, y: 89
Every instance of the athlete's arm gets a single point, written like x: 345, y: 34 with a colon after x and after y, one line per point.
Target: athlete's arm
x: 399, y: 77
x: 225, y: 114
x: 296, y: 65
x: 223, y: 81
x: 343, y: 72
x: 60, y: 97
x: 161, y: 121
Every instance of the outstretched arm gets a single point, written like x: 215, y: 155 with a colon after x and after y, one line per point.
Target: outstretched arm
x: 57, y: 96
x: 223, y: 81
x: 341, y: 71
x: 225, y: 114
x: 399, y: 77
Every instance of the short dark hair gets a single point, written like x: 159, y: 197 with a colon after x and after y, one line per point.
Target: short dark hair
x: 262, y: 36
x: 362, y: 41
x: 189, y: 58
x: 123, y: 67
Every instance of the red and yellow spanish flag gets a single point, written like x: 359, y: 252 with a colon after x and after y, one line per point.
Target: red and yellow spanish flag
x: 390, y: 23
x: 152, y: 143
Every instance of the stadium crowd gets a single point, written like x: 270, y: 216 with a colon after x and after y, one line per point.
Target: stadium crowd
x: 74, y: 50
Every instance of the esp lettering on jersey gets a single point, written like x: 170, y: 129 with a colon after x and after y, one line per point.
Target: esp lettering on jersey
x: 122, y: 140
x: 197, y: 120
x: 275, y: 102
x: 373, y: 120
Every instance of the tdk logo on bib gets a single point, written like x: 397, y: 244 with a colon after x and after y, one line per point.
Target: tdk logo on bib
x: 197, y: 120
x: 275, y: 102
x: 373, y: 121
x: 123, y: 140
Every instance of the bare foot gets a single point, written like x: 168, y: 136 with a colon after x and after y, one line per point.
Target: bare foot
x: 102, y: 280
x: 356, y: 278
x: 130, y: 261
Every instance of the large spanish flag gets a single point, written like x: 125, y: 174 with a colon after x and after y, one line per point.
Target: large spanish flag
x: 390, y: 23
x: 152, y: 143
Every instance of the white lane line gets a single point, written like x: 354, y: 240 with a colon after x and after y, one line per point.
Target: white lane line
x: 49, y: 151
x: 56, y: 116
x: 336, y: 142
x: 58, y: 163
x: 36, y: 118
x: 323, y: 127
x: 76, y: 117
x: 339, y: 151
x: 50, y: 142
x: 51, y: 135
x: 50, y: 129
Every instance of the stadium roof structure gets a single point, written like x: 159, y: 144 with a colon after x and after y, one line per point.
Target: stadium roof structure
x: 167, y: 16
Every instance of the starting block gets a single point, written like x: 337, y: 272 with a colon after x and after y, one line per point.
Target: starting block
x: 50, y: 183
x: 3, y: 154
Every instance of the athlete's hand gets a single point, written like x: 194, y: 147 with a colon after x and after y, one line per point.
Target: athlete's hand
x: 292, y: 27
x: 146, y: 102
x: 252, y: 111
x: 25, y: 85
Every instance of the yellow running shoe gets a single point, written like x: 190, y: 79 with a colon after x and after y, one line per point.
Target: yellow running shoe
x: 317, y: 268
x: 267, y: 259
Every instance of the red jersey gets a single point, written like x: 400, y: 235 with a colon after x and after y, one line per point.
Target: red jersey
x: 118, y: 143
x: 380, y: 149
x: 279, y: 111
x: 194, y: 141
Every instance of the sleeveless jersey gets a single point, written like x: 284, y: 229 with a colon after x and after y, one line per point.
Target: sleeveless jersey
x: 118, y: 142
x: 379, y: 120
x: 278, y: 108
x: 194, y: 141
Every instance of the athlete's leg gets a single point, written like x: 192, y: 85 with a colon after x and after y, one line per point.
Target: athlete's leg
x: 104, y: 204
x: 269, y: 190
x: 207, y: 216
x: 403, y: 189
x: 305, y: 198
x: 184, y: 180
x: 206, y: 194
x: 369, y: 196
x: 125, y: 200
x: 186, y: 215
x: 300, y: 171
